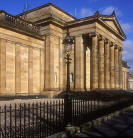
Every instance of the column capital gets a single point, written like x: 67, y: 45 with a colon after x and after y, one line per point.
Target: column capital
x: 111, y: 43
x: 93, y: 34
x: 100, y: 37
x: 116, y: 46
x: 106, y: 41
x: 120, y: 49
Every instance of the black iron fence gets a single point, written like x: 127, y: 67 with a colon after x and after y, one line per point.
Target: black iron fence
x: 39, y: 120
x: 31, y: 120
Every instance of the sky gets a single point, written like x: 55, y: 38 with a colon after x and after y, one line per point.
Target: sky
x: 84, y: 8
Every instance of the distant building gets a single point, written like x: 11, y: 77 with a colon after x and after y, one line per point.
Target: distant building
x: 125, y: 74
x: 32, y: 54
x: 130, y: 82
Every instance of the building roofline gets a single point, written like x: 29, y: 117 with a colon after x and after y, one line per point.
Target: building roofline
x: 46, y: 5
x: 98, y: 20
x: 110, y: 16
x: 124, y: 64
x: 18, y: 25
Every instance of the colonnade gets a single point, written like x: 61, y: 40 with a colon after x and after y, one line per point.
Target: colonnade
x: 106, y: 58
x: 105, y: 63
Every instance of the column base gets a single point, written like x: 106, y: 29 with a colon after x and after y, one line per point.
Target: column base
x: 79, y: 90
x: 7, y: 94
x: 50, y: 94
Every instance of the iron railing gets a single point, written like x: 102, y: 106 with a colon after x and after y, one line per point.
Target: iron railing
x: 31, y: 120
x: 39, y: 120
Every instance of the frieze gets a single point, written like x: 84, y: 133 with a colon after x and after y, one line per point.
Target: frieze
x: 93, y: 34
x: 18, y: 44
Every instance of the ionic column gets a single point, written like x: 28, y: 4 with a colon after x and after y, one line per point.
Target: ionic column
x: 112, y: 69
x: 107, y: 65
x: 120, y: 68
x: 79, y: 63
x: 116, y: 67
x: 94, y: 62
x: 101, y: 63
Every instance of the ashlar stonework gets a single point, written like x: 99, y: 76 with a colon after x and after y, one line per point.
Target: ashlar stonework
x: 32, y: 54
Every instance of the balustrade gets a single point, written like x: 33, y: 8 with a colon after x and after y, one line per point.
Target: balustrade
x: 18, y: 22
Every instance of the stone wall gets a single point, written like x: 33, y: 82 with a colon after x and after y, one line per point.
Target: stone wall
x: 125, y: 72
x: 21, y: 64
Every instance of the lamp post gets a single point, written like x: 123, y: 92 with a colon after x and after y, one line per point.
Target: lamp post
x: 68, y: 41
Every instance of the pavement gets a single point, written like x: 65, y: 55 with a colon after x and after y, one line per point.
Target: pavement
x: 26, y: 101
x: 120, y: 126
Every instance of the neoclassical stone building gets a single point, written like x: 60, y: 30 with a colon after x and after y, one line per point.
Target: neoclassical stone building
x: 130, y: 82
x: 125, y: 75
x: 32, y: 54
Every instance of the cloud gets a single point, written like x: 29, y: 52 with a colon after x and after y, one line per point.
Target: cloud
x: 84, y: 12
x: 110, y: 9
x: 128, y: 53
x: 127, y: 28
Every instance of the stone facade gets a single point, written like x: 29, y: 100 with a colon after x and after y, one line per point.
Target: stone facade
x: 125, y: 75
x: 21, y: 69
x: 32, y: 54
x: 130, y: 82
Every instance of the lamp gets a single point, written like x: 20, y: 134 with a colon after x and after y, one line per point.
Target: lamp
x: 68, y: 41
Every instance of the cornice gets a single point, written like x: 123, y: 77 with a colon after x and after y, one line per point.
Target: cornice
x: 80, y: 22
x: 93, y: 19
x: 56, y: 22
x: 46, y: 5
x: 50, y: 19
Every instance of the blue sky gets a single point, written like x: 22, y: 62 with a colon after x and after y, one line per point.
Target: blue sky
x: 84, y: 8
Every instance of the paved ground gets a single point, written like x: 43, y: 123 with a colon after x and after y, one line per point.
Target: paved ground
x: 120, y: 126
x: 17, y: 101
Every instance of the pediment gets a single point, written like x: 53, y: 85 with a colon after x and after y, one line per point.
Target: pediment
x: 113, y: 23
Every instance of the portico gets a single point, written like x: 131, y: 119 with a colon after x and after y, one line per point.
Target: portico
x: 104, y: 64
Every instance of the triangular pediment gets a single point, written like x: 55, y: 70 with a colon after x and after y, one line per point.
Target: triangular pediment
x: 113, y: 23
